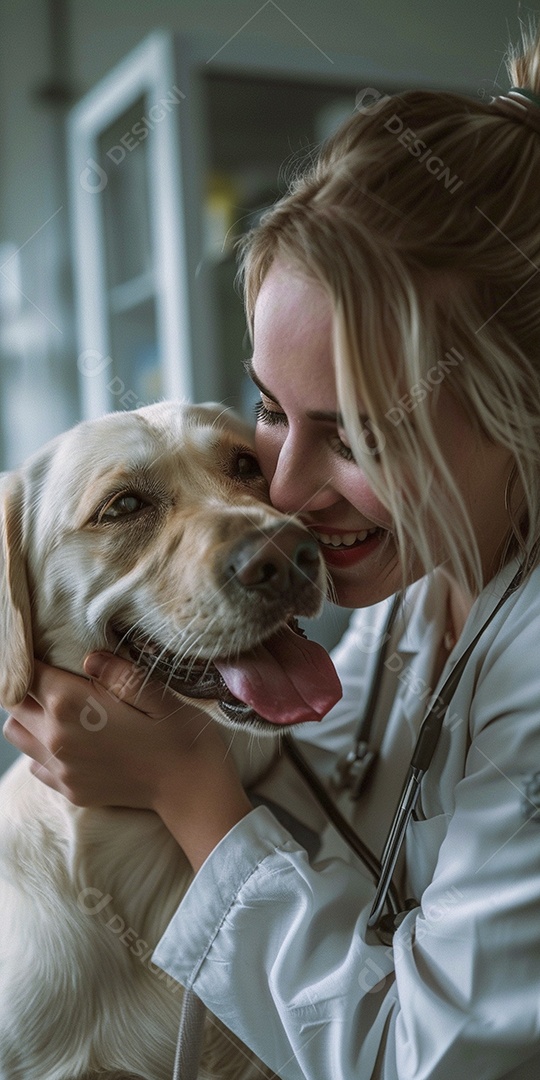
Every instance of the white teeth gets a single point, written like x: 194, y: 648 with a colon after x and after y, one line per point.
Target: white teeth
x: 345, y: 539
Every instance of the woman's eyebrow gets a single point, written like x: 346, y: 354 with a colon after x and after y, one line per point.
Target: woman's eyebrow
x: 313, y: 414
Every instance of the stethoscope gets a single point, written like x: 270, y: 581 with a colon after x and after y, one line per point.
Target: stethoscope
x: 353, y: 770
x: 352, y: 773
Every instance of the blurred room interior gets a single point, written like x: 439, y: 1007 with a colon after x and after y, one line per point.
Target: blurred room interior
x: 139, y: 140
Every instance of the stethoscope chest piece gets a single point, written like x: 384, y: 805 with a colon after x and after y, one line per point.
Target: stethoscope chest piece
x: 388, y: 924
x: 353, y: 771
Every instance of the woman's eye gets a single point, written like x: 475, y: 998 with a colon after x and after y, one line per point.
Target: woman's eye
x: 269, y: 416
x: 342, y: 448
x: 374, y: 439
x: 371, y: 438
x: 246, y: 466
x: 122, y: 506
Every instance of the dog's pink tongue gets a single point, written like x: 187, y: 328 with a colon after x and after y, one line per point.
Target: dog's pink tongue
x: 287, y: 680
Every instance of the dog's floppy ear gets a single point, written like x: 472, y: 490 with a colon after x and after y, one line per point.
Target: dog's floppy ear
x: 16, y: 648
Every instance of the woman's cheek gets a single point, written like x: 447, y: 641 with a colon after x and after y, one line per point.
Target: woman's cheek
x: 358, y: 492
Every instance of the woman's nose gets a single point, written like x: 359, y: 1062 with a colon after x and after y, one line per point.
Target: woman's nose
x: 300, y: 484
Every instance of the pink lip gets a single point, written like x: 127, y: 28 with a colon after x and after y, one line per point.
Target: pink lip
x: 350, y: 556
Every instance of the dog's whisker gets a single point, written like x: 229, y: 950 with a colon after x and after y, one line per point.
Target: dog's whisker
x: 203, y: 729
x: 91, y: 588
x: 228, y: 749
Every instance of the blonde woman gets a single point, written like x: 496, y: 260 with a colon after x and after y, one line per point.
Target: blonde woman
x: 394, y: 302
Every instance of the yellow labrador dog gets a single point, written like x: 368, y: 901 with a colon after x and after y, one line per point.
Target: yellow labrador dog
x: 149, y: 533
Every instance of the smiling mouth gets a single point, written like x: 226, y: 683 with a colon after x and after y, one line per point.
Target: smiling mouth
x: 197, y: 679
x: 344, y: 540
x: 285, y: 679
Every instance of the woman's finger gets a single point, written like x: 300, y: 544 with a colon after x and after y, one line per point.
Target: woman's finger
x: 29, y: 714
x: 42, y: 773
x: 131, y: 684
x: 22, y: 739
x: 52, y: 687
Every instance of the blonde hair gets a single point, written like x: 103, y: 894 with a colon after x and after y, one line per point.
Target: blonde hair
x: 421, y: 220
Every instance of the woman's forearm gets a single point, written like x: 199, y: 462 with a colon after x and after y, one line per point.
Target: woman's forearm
x: 202, y: 806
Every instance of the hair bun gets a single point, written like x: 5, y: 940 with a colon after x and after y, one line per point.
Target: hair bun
x: 520, y: 104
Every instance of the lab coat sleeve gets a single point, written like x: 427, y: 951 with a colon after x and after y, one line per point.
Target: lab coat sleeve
x: 279, y: 954
x: 277, y: 947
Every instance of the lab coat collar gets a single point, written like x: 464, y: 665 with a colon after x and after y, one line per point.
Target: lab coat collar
x: 424, y: 622
x: 423, y: 615
x: 425, y: 607
x: 485, y: 604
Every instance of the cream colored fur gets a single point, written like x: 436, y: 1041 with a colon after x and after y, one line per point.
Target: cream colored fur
x: 86, y: 894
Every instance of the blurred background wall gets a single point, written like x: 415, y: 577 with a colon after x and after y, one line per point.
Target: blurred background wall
x: 54, y: 52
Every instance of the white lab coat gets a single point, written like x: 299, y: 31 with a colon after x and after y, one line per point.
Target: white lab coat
x: 275, y: 945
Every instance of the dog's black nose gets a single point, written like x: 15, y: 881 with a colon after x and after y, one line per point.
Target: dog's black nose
x: 276, y: 563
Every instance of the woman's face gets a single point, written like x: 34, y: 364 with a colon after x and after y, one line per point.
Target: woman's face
x: 305, y: 457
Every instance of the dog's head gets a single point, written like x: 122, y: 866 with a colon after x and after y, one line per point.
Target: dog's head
x: 151, y: 533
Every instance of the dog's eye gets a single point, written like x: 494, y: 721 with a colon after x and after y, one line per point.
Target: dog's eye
x: 122, y: 506
x: 246, y: 466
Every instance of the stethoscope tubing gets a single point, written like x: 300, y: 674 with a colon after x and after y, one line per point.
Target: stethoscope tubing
x: 382, y: 871
x: 190, y: 1034
x: 394, y: 843
x: 426, y: 744
x: 327, y: 804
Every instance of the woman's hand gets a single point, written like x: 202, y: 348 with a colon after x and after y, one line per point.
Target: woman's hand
x: 114, y: 741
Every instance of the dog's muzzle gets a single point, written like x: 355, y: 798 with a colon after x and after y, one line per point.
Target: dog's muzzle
x: 194, y: 679
x: 268, y: 576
